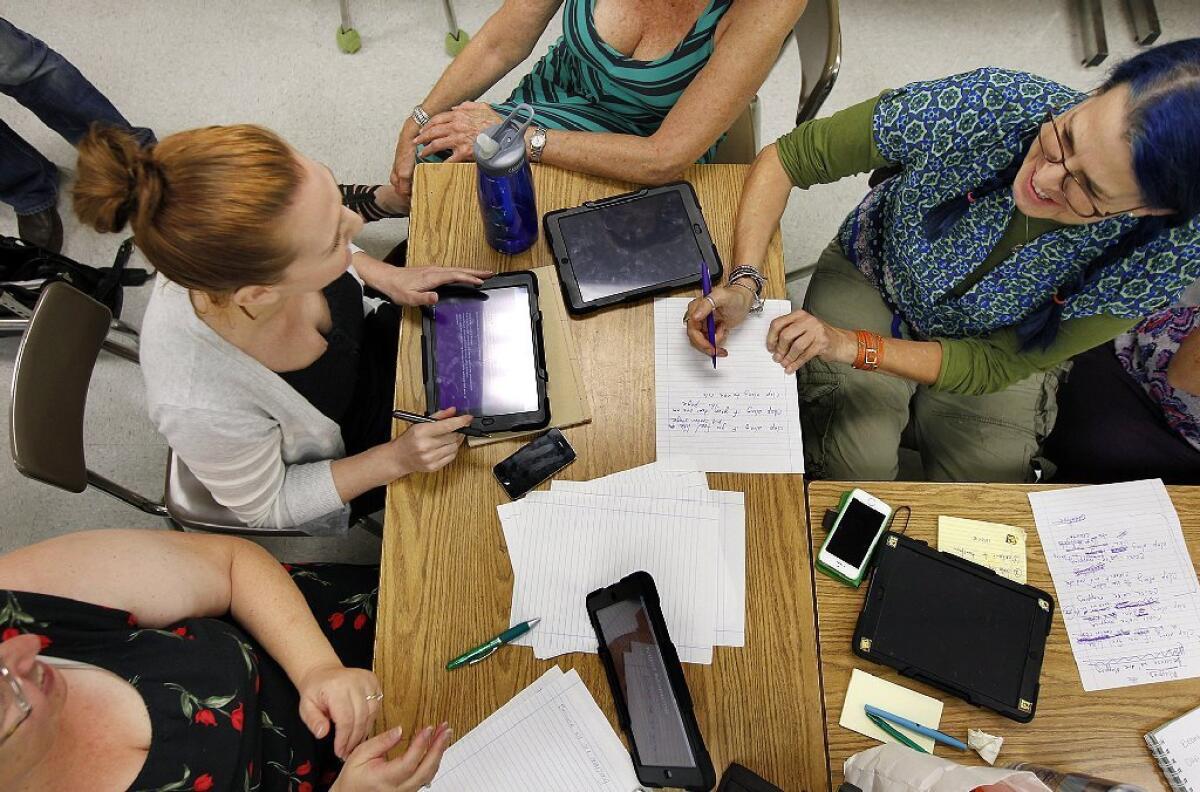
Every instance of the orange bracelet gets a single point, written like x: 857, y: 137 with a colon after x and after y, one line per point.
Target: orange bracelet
x: 870, y: 350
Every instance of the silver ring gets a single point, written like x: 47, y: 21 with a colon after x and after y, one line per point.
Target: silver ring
x: 375, y: 697
x: 711, y: 301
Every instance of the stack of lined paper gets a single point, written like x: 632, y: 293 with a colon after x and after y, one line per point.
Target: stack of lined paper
x: 581, y: 536
x: 550, y: 737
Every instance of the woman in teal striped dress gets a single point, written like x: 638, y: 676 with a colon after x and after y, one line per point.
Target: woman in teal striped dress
x: 634, y: 89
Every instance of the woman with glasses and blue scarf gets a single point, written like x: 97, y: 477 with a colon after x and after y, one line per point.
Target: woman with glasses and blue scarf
x: 1020, y: 223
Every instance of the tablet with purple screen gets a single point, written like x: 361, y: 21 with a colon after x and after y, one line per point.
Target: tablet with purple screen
x: 484, y: 356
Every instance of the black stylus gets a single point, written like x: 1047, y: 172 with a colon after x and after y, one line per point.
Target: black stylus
x: 418, y: 418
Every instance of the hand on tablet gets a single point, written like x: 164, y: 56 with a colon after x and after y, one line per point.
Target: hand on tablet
x: 431, y: 446
x: 732, y: 306
x: 414, y: 286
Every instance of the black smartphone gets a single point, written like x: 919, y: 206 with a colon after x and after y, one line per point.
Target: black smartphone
x: 533, y: 463
x: 648, y: 686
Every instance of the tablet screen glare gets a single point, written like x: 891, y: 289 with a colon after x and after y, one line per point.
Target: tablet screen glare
x: 484, y: 352
x: 627, y: 246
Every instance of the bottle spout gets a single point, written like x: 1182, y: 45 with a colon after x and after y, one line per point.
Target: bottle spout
x: 486, y: 146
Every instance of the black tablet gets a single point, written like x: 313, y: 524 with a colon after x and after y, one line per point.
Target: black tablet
x: 629, y: 246
x: 647, y: 682
x: 482, y: 352
x: 955, y: 625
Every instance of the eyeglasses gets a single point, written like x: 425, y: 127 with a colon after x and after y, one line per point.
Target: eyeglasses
x: 14, y: 707
x: 1079, y: 198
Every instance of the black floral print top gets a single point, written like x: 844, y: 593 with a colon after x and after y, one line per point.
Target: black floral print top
x: 224, y: 716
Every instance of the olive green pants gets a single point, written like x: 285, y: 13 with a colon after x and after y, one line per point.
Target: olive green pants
x: 856, y: 421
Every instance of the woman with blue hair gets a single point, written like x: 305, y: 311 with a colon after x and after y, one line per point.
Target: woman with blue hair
x: 1020, y: 223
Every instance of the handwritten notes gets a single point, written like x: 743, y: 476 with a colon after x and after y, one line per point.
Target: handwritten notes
x: 1125, y: 582
x: 998, y: 547
x: 742, y: 417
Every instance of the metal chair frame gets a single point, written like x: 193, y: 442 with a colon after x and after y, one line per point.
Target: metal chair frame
x: 100, y: 316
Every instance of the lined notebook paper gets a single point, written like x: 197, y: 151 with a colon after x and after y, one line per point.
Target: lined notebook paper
x: 742, y: 417
x: 550, y: 737
x: 1126, y: 586
x: 1176, y: 747
x: 731, y: 559
x: 564, y: 545
x: 584, y: 535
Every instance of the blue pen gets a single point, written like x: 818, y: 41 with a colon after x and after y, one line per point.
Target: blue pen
x: 912, y: 726
x: 706, y: 284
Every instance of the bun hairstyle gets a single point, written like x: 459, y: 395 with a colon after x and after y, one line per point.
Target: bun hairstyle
x: 205, y: 205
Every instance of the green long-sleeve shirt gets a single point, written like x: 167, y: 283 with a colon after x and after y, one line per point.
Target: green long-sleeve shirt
x: 827, y: 149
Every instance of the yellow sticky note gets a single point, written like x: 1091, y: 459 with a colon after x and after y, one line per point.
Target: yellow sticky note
x: 869, y: 689
x: 995, y: 546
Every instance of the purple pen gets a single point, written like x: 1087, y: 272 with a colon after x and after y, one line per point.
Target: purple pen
x: 706, y: 284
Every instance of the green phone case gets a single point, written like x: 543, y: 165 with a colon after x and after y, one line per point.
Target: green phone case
x: 838, y: 576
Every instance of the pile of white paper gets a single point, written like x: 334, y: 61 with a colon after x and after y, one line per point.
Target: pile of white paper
x: 550, y: 737
x: 584, y: 535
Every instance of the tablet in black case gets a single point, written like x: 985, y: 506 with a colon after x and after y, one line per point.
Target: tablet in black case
x: 955, y: 625
x: 482, y: 352
x: 630, y: 246
x: 648, y: 686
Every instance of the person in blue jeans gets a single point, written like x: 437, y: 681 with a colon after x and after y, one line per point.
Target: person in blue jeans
x: 54, y: 90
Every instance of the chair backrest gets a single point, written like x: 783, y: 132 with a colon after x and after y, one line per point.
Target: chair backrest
x: 50, y: 384
x: 819, y: 38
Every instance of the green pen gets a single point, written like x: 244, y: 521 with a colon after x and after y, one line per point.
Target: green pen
x: 472, y: 656
x: 887, y: 727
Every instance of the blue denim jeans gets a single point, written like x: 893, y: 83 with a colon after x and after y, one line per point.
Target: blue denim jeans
x: 54, y: 90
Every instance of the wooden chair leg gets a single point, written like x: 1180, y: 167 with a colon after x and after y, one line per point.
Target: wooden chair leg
x: 1095, y: 40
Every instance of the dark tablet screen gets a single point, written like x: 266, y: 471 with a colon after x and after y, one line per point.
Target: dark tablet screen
x: 484, y: 352
x: 946, y: 620
x: 627, y: 246
x: 654, y: 716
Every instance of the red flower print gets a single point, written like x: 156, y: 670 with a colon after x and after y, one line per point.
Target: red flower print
x: 360, y: 621
x: 304, y: 769
x: 257, y: 682
x: 288, y: 567
x: 337, y: 620
x: 205, y: 717
x: 11, y: 632
x: 328, y: 777
x: 304, y: 787
x: 131, y: 620
x: 203, y: 784
x: 180, y: 631
x: 45, y: 641
x: 236, y: 717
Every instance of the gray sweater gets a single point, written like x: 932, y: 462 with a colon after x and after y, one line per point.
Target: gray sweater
x: 260, y: 448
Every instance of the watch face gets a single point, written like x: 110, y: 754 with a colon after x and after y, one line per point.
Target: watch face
x: 538, y: 140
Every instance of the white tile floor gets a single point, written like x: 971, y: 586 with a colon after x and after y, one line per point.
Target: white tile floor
x: 173, y: 66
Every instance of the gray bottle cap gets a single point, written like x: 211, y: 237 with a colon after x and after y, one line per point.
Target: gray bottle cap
x: 509, y: 136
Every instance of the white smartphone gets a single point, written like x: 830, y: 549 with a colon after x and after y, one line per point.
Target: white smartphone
x: 855, y: 534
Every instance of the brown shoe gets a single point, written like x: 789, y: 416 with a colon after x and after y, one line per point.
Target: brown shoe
x: 43, y: 229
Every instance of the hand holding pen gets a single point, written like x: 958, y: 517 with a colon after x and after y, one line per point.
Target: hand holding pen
x: 431, y: 443
x: 728, y: 306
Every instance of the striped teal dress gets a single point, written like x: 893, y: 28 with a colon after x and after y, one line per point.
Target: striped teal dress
x: 584, y: 85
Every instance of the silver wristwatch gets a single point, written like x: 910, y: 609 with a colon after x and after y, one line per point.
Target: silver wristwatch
x: 537, y: 144
x: 420, y: 116
x: 753, y: 275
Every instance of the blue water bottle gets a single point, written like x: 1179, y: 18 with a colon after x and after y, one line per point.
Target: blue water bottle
x: 506, y: 200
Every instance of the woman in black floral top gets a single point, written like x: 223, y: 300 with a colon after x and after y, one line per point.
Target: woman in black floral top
x: 164, y: 662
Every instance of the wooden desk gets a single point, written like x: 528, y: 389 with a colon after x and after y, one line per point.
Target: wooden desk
x: 447, y: 581
x: 1098, y: 732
